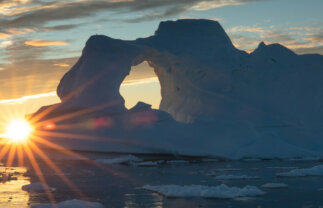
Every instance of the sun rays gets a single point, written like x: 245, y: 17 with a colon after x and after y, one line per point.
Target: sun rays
x: 25, y: 141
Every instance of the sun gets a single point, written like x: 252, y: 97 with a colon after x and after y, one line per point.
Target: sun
x: 18, y: 130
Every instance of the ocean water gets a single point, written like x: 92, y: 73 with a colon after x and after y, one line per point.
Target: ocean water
x: 120, y: 185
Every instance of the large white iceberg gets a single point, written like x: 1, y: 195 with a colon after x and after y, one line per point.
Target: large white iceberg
x: 216, y: 100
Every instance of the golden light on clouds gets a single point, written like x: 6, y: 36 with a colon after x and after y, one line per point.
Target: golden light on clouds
x: 5, y: 44
x: 207, y: 5
x: 62, y: 65
x: 44, y: 43
x: 26, y: 98
x: 13, y: 31
x: 4, y: 36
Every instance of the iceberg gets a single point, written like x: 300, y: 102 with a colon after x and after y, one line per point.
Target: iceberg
x: 217, y: 101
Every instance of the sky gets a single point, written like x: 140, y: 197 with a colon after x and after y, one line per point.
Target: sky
x: 40, y: 40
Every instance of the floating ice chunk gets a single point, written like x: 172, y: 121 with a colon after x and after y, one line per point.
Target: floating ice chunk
x: 155, y: 163
x: 235, y: 177
x: 119, y: 160
x: 282, y: 167
x: 210, y: 160
x: 71, y: 204
x: 306, y: 159
x: 251, y: 159
x: 314, y: 171
x: 222, y: 191
x: 216, y: 171
x: 148, y: 163
x: 174, y: 162
x: 35, y: 187
x: 228, y: 169
x: 274, y: 185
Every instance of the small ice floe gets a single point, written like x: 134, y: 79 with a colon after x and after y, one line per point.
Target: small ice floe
x: 35, y: 187
x: 274, y: 185
x: 302, y: 172
x: 251, y: 159
x: 148, y: 163
x: 160, y: 162
x: 222, y: 191
x: 215, y: 172
x: 279, y: 167
x: 7, y: 177
x: 236, y: 177
x: 119, y: 160
x: 306, y: 159
x: 175, y: 162
x: 227, y: 169
x: 71, y: 204
x: 210, y: 160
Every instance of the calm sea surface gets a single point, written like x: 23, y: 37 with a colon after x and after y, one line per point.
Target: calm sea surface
x: 120, y: 185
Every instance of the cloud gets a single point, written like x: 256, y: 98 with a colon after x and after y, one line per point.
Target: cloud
x: 26, y: 98
x: 318, y: 50
x: 36, y: 13
x: 316, y: 38
x: 43, y: 43
x: 5, y: 44
x: 62, y: 65
x: 251, y: 29
x: 18, y: 51
x: 299, y: 39
x: 4, y: 36
x: 31, y: 76
x: 140, y: 81
x: 207, y: 5
x: 244, y: 42
x: 13, y: 31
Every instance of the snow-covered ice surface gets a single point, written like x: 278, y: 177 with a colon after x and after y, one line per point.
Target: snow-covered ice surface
x: 268, y: 102
x: 71, y: 204
x: 35, y: 187
x: 236, y: 177
x: 222, y: 191
x: 302, y: 172
x: 274, y: 185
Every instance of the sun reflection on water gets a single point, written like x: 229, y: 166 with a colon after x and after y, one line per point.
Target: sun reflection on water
x: 11, y: 194
x: 135, y: 200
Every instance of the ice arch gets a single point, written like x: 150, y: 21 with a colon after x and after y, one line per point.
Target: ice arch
x: 141, y: 85
x: 200, y: 73
x: 182, y: 56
